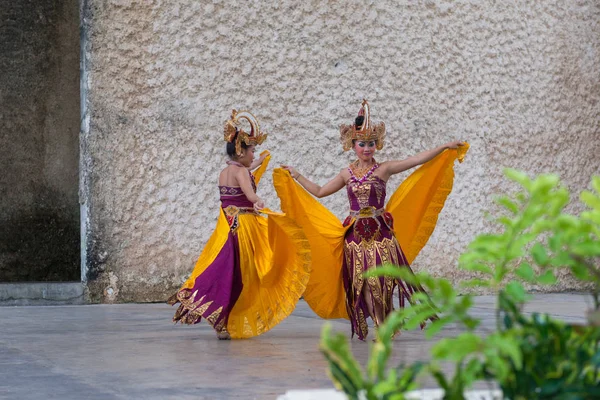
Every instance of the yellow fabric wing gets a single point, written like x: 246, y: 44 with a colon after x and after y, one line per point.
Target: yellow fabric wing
x: 417, y: 202
x: 325, y: 290
x: 258, y: 172
x: 275, y: 267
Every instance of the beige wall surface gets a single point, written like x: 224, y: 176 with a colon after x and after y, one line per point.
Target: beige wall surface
x: 519, y: 80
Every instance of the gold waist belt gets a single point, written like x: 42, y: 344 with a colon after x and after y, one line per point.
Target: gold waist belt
x: 367, y: 212
x: 233, y: 210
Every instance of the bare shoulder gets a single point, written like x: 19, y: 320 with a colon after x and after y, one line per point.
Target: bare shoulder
x: 390, y: 163
x: 241, y: 173
x: 384, y: 170
x: 231, y: 175
x: 386, y: 164
x: 383, y: 166
x: 223, y: 176
x: 344, y: 174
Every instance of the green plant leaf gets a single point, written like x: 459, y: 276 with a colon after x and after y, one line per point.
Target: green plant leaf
x: 516, y: 291
x: 587, y: 248
x: 419, y: 318
x: 538, y: 251
x: 525, y: 272
x: 446, y: 289
x: 590, y: 199
x: 506, y: 346
x: 562, y: 259
x: 521, y: 197
x: 580, y: 272
x: 508, y: 204
x: 543, y: 184
x: 555, y: 242
x: 436, y: 326
x: 394, y: 271
x: 474, y: 282
x: 530, y: 356
x: 470, y: 322
x: 479, y: 268
x: 566, y: 222
x: 547, y: 278
x: 456, y: 349
x: 379, y: 354
x: 560, y: 198
x: 506, y: 221
x: 344, y: 370
x: 518, y: 176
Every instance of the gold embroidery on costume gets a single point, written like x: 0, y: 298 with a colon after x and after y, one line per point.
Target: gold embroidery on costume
x: 220, y: 327
x: 232, y: 214
x: 190, y: 311
x: 362, y: 323
x: 378, y: 190
x: 230, y: 191
x: 212, y: 318
x: 274, y: 248
x: 358, y: 269
x: 362, y: 256
x: 202, y: 309
x: 362, y: 193
x: 369, y: 249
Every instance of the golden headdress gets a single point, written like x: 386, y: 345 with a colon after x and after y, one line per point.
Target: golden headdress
x: 254, y: 138
x: 366, y: 132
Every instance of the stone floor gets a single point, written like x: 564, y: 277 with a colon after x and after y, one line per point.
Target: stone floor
x: 133, y: 351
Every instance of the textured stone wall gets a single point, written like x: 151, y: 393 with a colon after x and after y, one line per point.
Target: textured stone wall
x: 39, y: 147
x: 519, y: 80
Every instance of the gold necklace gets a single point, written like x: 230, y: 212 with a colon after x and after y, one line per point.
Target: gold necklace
x: 360, y: 172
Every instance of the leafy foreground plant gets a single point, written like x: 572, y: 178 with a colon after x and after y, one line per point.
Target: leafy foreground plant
x: 530, y: 357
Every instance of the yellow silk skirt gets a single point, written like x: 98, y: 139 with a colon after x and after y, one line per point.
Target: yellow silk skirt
x: 274, y: 263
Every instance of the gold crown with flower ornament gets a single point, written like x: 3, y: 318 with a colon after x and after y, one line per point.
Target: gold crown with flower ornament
x: 232, y: 126
x: 366, y: 132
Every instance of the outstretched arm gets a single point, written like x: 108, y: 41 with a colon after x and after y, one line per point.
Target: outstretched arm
x: 256, y: 163
x: 395, y: 167
x: 318, y: 191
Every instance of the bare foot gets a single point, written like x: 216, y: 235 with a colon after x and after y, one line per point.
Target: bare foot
x: 223, y: 335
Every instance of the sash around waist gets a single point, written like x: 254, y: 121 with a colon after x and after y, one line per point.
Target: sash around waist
x: 367, y: 212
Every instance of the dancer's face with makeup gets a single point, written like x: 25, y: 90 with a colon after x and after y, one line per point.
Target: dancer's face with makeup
x: 365, y: 149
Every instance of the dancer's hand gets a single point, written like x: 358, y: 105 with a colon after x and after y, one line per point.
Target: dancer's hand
x: 455, y: 145
x: 295, y: 174
x: 258, y: 162
x: 260, y: 204
x: 263, y: 155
